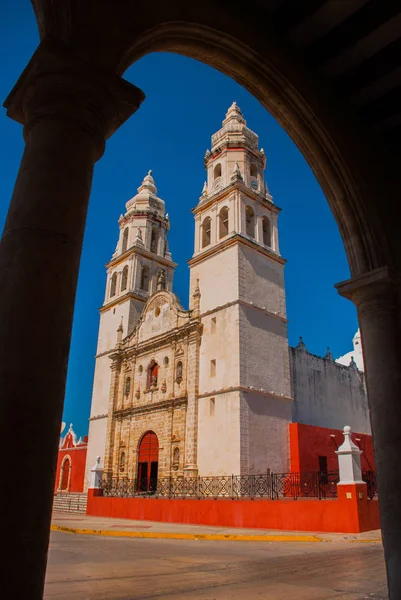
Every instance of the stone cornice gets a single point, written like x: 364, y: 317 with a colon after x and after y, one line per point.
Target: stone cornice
x: 58, y: 84
x: 187, y: 330
x: 277, y: 316
x: 249, y: 390
x: 151, y: 407
x: 233, y: 239
x: 357, y: 286
x: 139, y: 250
x: 240, y: 186
x: 96, y: 417
x: 123, y: 298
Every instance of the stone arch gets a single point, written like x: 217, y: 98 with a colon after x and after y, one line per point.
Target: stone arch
x: 65, y: 474
x: 125, y: 240
x: 223, y: 221
x: 217, y: 171
x: 145, y: 276
x: 148, y: 462
x: 288, y: 98
x: 124, y: 278
x: 206, y: 230
x: 266, y: 231
x: 113, y: 285
x: 250, y: 221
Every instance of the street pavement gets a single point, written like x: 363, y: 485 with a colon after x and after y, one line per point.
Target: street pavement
x: 96, y: 567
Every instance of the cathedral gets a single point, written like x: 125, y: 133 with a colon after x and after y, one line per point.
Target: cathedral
x: 213, y: 390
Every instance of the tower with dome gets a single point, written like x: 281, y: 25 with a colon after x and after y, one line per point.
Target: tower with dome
x: 215, y: 389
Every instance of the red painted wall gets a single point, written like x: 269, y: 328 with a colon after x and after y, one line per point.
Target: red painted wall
x: 308, y: 442
x: 78, y: 461
x: 343, y: 515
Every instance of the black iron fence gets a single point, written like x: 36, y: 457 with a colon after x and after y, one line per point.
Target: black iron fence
x: 273, y: 486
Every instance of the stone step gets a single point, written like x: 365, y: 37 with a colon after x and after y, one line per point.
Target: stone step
x: 70, y: 502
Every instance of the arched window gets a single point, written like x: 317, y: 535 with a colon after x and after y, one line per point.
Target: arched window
x: 125, y: 240
x: 145, y: 278
x: 254, y: 170
x: 65, y: 474
x: 250, y: 221
x: 266, y: 232
x: 153, y: 372
x: 217, y: 171
x: 127, y: 386
x: 122, y: 462
x: 113, y: 285
x: 206, y: 231
x: 178, y: 372
x: 223, y: 222
x: 124, y: 278
x: 154, y: 240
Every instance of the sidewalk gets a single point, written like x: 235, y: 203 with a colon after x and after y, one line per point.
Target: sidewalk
x: 82, y: 524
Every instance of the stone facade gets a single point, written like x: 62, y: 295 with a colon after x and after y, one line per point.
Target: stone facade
x: 217, y: 386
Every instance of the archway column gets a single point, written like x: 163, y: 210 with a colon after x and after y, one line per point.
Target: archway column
x: 68, y: 109
x: 377, y: 298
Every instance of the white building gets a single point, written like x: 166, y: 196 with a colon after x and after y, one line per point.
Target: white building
x: 211, y: 390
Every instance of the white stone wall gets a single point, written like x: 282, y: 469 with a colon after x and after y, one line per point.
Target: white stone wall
x: 219, y: 435
x: 328, y: 394
x: 264, y: 433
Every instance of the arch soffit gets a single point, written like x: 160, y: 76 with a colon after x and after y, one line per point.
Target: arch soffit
x: 327, y: 151
x: 277, y: 79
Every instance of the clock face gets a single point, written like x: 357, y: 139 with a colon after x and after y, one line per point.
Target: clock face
x: 254, y: 184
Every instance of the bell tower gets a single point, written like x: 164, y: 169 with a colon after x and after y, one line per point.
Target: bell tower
x: 141, y: 264
x: 244, y: 373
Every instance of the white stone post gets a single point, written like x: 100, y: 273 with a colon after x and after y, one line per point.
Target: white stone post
x: 96, y: 475
x: 349, y: 460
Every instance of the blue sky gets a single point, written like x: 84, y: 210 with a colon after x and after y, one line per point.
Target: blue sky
x: 185, y: 103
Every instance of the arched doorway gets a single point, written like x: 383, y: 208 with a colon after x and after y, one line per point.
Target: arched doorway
x: 65, y: 474
x: 148, y: 462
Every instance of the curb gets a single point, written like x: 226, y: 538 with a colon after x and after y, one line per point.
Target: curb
x: 188, y: 536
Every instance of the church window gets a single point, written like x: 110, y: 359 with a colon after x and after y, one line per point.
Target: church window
x: 266, y: 232
x: 254, y: 170
x: 213, y: 368
x: 124, y: 278
x: 212, y: 406
x: 125, y: 240
x: 250, y: 221
x: 127, y: 386
x: 145, y: 278
x: 113, y: 285
x: 154, y: 240
x: 213, y: 325
x: 122, y: 462
x: 223, y: 222
x: 217, y: 171
x: 153, y: 372
x: 166, y: 361
x: 178, y: 372
x: 206, y: 231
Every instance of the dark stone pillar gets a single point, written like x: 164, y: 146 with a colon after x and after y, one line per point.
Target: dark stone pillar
x: 376, y: 296
x: 68, y: 109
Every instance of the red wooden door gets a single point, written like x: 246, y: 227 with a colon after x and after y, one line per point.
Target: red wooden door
x: 65, y: 474
x: 148, y: 460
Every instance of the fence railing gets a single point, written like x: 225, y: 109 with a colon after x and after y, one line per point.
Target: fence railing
x: 273, y: 486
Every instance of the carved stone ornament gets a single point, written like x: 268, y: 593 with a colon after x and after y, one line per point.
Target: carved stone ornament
x: 138, y: 393
x: 164, y: 386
